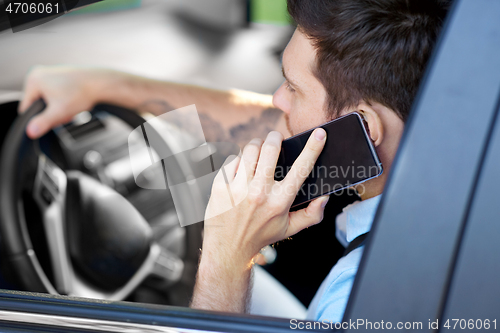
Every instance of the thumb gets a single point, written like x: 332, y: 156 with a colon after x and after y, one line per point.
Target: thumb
x: 308, y: 216
x: 30, y: 97
x: 45, y: 121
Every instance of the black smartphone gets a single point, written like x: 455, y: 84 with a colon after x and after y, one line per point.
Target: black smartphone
x: 348, y: 158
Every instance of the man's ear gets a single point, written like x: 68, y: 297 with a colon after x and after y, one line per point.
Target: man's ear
x: 375, y: 127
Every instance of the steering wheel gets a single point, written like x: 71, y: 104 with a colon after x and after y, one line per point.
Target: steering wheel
x: 99, y: 245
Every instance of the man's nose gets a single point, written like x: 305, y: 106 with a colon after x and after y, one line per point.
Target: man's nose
x: 280, y: 99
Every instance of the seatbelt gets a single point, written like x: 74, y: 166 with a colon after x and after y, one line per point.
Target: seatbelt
x: 356, y: 242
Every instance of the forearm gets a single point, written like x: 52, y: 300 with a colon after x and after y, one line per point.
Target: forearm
x: 231, y: 115
x: 222, y: 287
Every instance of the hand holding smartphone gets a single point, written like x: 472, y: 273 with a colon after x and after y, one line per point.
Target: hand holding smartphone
x: 348, y: 158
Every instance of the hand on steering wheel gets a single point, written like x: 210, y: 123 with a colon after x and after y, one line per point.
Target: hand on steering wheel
x: 67, y: 91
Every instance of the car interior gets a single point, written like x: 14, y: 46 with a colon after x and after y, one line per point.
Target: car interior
x: 432, y: 253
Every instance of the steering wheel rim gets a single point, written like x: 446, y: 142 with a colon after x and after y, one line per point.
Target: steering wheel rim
x: 16, y: 238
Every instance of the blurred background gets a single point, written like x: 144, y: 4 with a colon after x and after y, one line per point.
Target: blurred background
x: 216, y: 43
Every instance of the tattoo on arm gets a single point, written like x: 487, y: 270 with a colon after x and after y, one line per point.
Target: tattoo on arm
x: 215, y: 131
x: 241, y: 134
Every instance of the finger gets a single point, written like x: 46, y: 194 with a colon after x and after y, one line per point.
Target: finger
x: 249, y: 158
x: 303, y: 165
x: 40, y: 124
x: 268, y: 157
x: 31, y: 94
x: 311, y: 215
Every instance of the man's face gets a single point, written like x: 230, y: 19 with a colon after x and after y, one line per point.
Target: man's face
x: 302, y: 96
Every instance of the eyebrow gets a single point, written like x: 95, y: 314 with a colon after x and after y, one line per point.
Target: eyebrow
x: 286, y: 78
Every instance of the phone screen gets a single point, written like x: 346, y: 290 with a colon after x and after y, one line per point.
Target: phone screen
x: 347, y: 159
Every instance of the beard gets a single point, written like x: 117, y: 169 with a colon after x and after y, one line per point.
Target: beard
x: 288, y: 127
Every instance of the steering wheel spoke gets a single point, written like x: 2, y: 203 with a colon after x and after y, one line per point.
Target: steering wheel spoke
x: 83, y: 289
x: 50, y: 194
x: 168, y: 267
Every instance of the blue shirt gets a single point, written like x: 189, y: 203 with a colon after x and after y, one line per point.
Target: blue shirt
x: 331, y: 298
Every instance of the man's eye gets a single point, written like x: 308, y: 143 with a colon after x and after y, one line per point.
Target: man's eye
x: 289, y: 87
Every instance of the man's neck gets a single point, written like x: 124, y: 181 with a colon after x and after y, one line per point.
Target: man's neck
x: 371, y: 188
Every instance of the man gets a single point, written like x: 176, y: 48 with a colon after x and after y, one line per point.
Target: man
x: 346, y: 55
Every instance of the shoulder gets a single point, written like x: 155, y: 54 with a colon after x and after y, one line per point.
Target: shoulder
x: 332, y: 303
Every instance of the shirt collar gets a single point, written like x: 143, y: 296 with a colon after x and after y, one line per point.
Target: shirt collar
x: 356, y: 219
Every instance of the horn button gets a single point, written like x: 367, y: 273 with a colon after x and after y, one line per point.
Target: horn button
x: 108, y: 239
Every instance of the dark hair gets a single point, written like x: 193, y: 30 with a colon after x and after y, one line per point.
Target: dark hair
x: 370, y: 50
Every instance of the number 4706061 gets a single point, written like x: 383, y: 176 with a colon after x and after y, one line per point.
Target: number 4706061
x: 32, y: 8
x: 470, y: 324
